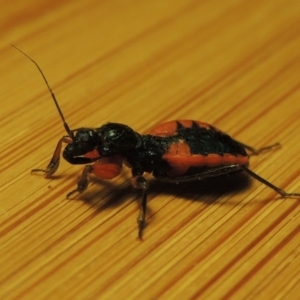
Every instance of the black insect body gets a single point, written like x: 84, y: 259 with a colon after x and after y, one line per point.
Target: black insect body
x: 175, y: 151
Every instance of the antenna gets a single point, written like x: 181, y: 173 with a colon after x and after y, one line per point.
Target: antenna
x: 70, y: 133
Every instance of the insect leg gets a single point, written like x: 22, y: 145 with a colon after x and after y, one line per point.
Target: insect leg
x: 54, y: 162
x: 201, y: 175
x: 139, y: 182
x: 260, y: 150
x: 281, y: 192
x: 83, y: 181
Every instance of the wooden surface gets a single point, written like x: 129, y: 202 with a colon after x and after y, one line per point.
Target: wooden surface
x: 234, y: 64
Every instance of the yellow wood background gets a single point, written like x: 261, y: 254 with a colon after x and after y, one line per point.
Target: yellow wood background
x: 234, y: 64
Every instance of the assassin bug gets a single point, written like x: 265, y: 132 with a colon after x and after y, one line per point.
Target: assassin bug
x: 176, y: 151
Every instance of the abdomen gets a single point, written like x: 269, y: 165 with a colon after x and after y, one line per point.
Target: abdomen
x: 192, y: 145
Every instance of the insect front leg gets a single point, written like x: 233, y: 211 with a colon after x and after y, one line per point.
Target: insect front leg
x: 54, y: 162
x: 83, y: 181
x: 105, y: 168
x: 139, y: 182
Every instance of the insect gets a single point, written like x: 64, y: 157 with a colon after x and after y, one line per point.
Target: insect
x: 175, y: 152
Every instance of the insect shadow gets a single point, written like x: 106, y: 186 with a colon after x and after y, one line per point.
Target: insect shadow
x: 103, y: 194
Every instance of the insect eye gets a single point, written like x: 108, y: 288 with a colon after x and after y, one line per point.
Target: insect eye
x: 105, y: 144
x: 85, y: 137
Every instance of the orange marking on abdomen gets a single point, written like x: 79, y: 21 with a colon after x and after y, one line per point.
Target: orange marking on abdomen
x: 164, y: 129
x: 170, y: 128
x: 189, y: 123
x: 180, y: 164
x: 179, y: 149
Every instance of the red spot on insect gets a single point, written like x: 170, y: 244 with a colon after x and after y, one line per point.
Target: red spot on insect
x: 189, y: 124
x: 108, y: 167
x: 180, y: 159
x: 165, y: 129
x: 92, y: 154
x: 170, y: 128
x: 105, y: 167
x: 179, y: 149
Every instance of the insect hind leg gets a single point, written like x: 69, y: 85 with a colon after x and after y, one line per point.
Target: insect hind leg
x: 255, y: 151
x: 280, y: 191
x: 201, y: 174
